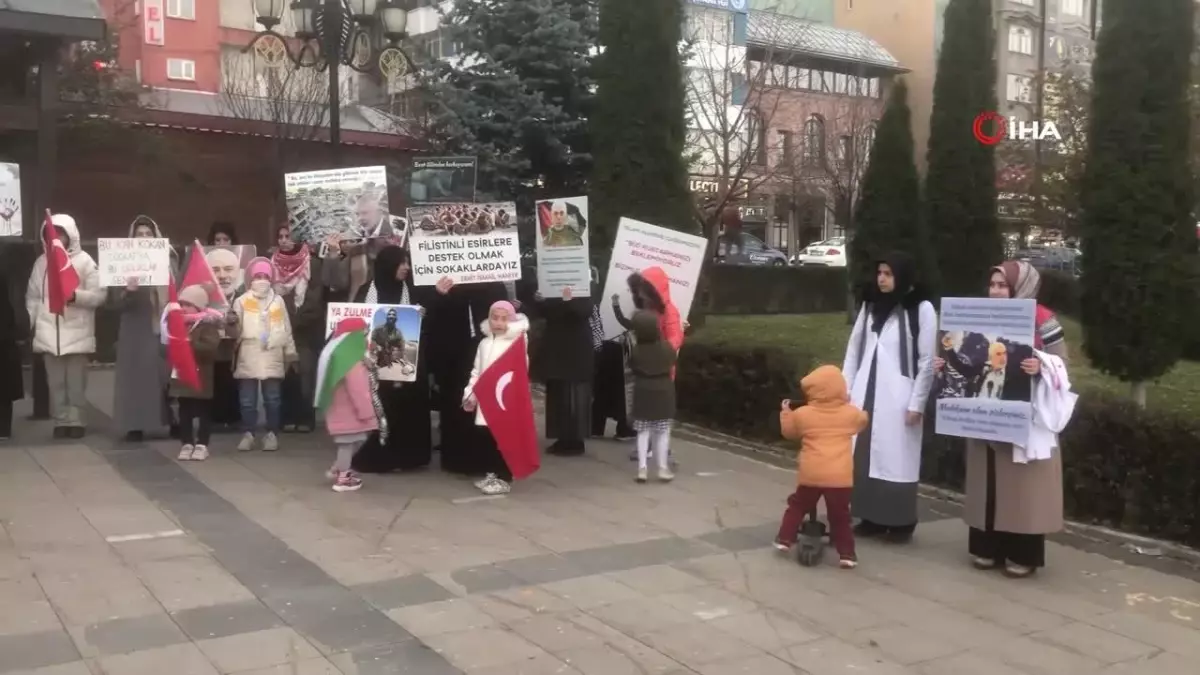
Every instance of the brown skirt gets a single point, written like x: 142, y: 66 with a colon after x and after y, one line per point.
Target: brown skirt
x: 1028, y: 497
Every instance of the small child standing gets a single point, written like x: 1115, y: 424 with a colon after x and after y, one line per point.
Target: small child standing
x: 652, y: 364
x: 501, y: 329
x: 204, y: 334
x: 825, y: 426
x: 264, y: 353
x: 348, y: 393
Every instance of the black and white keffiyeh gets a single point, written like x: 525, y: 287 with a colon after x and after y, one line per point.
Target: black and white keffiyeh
x: 376, y: 402
x: 373, y: 295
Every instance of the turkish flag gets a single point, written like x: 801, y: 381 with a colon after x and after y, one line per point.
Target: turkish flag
x: 502, y: 391
x: 179, y: 348
x: 200, y: 273
x: 61, y: 278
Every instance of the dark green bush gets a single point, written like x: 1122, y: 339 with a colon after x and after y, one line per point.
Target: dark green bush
x: 1060, y: 292
x: 750, y: 289
x: 1123, y: 467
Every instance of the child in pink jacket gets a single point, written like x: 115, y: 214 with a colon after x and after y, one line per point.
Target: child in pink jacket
x: 348, y: 394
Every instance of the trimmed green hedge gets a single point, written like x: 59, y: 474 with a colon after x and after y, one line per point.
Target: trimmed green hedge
x: 751, y: 289
x: 1123, y: 467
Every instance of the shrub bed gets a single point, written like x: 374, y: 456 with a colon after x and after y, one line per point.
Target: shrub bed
x: 750, y: 289
x: 1123, y: 467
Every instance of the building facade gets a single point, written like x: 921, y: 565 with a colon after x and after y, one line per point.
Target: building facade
x: 782, y: 113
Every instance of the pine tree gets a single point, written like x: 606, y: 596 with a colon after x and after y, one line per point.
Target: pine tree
x: 518, y: 94
x: 1139, y: 236
x: 889, y: 207
x: 960, y: 185
x: 637, y: 124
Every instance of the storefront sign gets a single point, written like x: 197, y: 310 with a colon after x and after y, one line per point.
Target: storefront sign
x: 154, y: 23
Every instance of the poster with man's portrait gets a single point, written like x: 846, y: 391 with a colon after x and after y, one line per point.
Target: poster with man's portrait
x: 562, y: 247
x: 393, y: 337
x: 338, y: 204
x: 228, y: 265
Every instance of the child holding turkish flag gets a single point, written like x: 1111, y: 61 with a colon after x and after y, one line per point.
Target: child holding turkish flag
x: 62, y: 297
x: 503, y: 330
x: 203, y: 326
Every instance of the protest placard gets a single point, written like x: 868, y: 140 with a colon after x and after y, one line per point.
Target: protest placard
x: 10, y: 200
x: 640, y: 246
x: 337, y: 203
x: 393, y: 336
x: 469, y: 243
x: 147, y: 260
x: 439, y: 180
x: 562, y: 247
x: 982, y: 391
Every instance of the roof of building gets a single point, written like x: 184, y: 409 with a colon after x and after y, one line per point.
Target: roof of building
x: 778, y: 31
x: 77, y: 19
x: 204, y: 111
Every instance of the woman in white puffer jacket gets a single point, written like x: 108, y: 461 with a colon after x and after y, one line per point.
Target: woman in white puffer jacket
x: 68, y: 341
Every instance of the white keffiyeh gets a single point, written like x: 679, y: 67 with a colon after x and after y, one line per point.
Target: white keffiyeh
x: 373, y: 295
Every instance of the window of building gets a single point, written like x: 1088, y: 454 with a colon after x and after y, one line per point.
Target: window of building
x: 1024, y: 2
x: 1072, y: 7
x: 798, y: 78
x: 779, y: 75
x: 707, y: 25
x: 841, y: 83
x: 786, y: 149
x: 822, y: 81
x: 756, y: 133
x: 1020, y: 89
x: 873, y: 87
x: 845, y: 150
x: 181, y: 9
x: 1020, y: 40
x: 755, y: 72
x: 814, y: 141
x: 181, y: 69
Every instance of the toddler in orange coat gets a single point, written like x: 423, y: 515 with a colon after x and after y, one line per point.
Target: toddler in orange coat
x: 825, y: 426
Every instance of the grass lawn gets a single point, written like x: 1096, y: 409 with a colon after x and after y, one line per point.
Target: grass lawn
x: 825, y: 335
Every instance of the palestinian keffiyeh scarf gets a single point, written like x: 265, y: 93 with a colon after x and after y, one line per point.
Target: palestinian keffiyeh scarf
x: 597, y: 326
x: 376, y: 402
x: 293, y: 271
x: 373, y: 295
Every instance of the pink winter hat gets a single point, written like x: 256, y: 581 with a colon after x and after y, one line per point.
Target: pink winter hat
x: 260, y: 265
x: 506, y: 306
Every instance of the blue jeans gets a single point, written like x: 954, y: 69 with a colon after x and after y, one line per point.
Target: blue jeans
x: 272, y: 393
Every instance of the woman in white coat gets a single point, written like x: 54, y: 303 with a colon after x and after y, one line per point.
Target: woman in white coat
x: 889, y: 370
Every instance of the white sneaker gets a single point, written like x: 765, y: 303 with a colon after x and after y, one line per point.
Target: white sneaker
x: 642, y: 475
x: 247, y: 442
x: 496, y: 487
x: 486, y: 480
x: 270, y: 442
x: 665, y: 475
x: 186, y: 453
x: 200, y: 453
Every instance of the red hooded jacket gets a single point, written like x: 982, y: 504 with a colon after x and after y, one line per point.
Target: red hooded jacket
x: 669, y: 324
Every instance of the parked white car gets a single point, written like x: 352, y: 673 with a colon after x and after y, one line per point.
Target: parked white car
x: 830, y: 253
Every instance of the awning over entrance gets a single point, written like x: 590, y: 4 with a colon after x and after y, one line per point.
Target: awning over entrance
x: 70, y: 19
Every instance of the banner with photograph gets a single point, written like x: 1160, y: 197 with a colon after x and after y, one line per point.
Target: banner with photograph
x: 147, y: 260
x: 562, y: 247
x: 394, y: 337
x: 10, y: 199
x: 437, y: 180
x: 227, y: 264
x: 982, y: 391
x: 334, y: 204
x: 469, y: 243
x: 640, y: 246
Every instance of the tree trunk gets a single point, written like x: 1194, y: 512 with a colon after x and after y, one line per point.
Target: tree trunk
x: 1138, y: 391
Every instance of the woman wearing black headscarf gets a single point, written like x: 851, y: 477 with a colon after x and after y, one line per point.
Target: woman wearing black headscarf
x: 409, y: 444
x: 889, y: 370
x: 14, y: 328
x: 226, y: 406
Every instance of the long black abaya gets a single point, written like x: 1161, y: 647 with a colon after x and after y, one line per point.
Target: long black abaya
x: 453, y: 324
x: 405, y: 404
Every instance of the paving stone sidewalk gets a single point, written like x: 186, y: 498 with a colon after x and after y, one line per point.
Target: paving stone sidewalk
x: 117, y: 560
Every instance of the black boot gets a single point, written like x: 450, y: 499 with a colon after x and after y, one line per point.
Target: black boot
x: 136, y: 437
x: 566, y: 448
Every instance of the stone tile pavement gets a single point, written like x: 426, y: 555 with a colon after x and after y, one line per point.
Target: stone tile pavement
x: 117, y: 560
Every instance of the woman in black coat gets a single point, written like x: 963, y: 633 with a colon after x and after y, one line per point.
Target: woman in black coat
x: 564, y: 360
x: 405, y: 404
x: 13, y: 330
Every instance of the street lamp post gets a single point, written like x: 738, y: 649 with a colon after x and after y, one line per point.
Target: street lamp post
x: 364, y: 35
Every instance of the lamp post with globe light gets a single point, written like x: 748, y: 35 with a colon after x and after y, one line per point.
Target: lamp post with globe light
x: 360, y: 34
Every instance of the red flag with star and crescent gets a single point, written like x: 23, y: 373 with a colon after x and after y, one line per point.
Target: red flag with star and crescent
x: 200, y: 273
x: 62, y: 280
x: 180, y: 354
x: 506, y: 402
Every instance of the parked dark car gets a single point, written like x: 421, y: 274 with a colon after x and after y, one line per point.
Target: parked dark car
x: 1060, y: 258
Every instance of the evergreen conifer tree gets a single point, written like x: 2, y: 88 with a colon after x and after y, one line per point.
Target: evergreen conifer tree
x: 517, y: 93
x: 1139, y: 234
x: 960, y: 183
x: 889, y: 206
x: 637, y: 124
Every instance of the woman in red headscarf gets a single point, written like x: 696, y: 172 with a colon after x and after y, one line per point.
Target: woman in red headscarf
x: 305, y: 301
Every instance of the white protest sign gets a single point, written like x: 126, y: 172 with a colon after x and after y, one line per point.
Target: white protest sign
x: 469, y: 243
x: 147, y: 260
x: 982, y: 392
x: 640, y: 246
